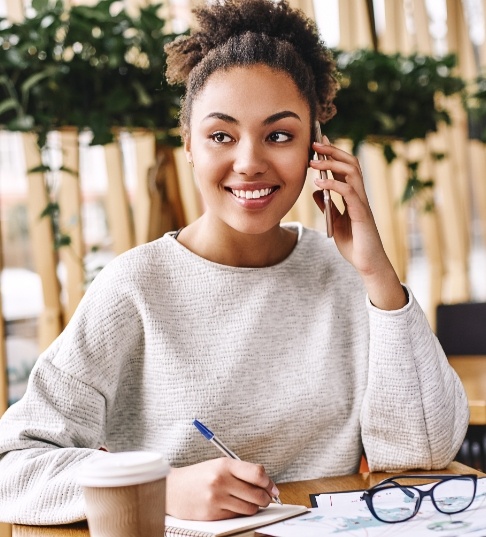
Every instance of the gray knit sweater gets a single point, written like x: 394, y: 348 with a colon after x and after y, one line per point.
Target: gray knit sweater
x: 290, y: 365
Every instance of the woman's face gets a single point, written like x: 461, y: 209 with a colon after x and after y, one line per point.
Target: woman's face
x: 249, y: 142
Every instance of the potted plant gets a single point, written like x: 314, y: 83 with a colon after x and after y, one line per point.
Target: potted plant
x: 387, y: 97
x: 88, y: 67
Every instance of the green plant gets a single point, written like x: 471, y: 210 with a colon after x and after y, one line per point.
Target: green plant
x: 387, y: 97
x: 475, y: 104
x: 88, y: 67
x: 93, y: 68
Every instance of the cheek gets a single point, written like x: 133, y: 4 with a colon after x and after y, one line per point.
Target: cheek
x: 294, y: 166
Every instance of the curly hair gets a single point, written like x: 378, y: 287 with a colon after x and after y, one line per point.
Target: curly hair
x: 249, y: 32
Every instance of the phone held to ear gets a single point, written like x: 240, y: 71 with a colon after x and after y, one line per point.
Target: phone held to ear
x: 325, y: 192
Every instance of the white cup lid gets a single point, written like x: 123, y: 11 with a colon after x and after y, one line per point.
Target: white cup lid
x: 123, y: 469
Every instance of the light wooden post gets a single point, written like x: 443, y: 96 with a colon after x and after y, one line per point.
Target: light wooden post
x: 307, y: 6
x: 383, y: 179
x: 70, y: 221
x: 431, y: 232
x: 477, y: 160
x: 120, y: 220
x: 3, y: 351
x: 456, y: 282
x: 460, y: 43
x: 354, y: 27
x: 45, y: 258
x: 389, y: 180
x: 395, y: 38
x: 191, y: 199
x: 147, y: 202
x: 429, y: 222
x: 167, y: 184
x: 15, y: 10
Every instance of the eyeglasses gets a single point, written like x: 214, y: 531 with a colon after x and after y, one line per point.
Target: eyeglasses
x: 392, y: 502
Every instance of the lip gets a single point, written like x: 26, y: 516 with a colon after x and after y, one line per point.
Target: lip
x: 253, y: 203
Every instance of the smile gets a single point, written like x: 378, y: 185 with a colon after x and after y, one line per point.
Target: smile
x: 253, y: 194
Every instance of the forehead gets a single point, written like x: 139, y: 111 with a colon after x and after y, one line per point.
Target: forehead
x: 250, y: 91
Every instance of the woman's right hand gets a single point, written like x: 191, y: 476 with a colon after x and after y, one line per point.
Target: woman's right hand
x: 217, y: 489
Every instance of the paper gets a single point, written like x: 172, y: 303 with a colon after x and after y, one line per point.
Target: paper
x: 268, y: 515
x: 344, y: 514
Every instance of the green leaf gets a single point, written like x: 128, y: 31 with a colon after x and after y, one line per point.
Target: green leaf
x: 40, y: 5
x: 35, y: 79
x: 40, y: 169
x: 51, y: 209
x: 22, y: 123
x: 69, y: 170
x: 143, y: 97
x: 389, y: 153
x: 61, y: 241
x: 413, y: 166
x: 8, y: 104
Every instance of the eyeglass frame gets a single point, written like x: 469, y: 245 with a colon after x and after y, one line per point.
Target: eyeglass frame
x: 368, y: 494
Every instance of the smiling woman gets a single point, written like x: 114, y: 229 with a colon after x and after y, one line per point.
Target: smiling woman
x: 304, y: 351
x: 249, y: 141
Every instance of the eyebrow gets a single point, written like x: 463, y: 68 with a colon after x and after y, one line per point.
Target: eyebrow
x: 268, y: 121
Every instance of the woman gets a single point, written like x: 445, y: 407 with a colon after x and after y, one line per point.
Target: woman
x: 297, y: 353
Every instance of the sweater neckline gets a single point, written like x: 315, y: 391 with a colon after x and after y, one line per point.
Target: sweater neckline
x: 293, y: 226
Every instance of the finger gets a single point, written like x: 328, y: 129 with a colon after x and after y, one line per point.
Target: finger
x: 250, y: 495
x: 354, y: 205
x: 318, y: 196
x: 335, y: 153
x: 254, y: 474
x: 343, y: 173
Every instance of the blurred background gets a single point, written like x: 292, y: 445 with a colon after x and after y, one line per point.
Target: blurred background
x: 90, y: 163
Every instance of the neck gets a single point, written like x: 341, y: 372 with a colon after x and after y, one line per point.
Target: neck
x: 222, y: 244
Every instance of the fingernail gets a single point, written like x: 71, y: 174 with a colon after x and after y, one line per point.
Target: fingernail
x: 326, y: 139
x: 275, y: 491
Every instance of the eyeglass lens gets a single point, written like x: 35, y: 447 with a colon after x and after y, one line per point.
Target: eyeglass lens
x: 392, y: 504
x: 454, y: 495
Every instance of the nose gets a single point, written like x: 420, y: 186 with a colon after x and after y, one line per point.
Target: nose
x: 249, y: 158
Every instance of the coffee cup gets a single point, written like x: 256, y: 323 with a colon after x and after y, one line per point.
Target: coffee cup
x: 124, y: 494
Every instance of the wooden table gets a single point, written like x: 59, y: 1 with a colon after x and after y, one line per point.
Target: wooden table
x: 296, y: 493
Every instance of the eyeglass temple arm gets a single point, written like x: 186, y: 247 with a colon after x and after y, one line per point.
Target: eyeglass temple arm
x: 425, y: 476
x: 403, y: 488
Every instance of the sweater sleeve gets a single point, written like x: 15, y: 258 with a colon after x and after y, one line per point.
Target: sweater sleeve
x: 41, y: 439
x: 415, y: 412
x: 60, y: 421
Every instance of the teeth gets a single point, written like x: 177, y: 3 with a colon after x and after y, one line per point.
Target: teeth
x: 251, y: 194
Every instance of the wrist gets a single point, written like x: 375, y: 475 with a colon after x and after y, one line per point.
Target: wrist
x: 385, y: 291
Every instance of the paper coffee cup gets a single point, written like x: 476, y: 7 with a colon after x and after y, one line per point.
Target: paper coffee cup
x: 124, y: 494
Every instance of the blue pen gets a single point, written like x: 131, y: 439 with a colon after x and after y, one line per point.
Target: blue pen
x: 209, y: 435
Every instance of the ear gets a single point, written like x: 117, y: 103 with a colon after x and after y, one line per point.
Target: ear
x: 187, y: 149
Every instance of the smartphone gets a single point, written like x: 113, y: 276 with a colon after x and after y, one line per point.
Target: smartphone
x: 326, y: 193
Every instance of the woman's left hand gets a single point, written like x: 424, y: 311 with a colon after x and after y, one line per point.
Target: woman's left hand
x: 355, y: 231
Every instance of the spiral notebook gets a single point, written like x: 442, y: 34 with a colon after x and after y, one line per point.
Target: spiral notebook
x: 219, y: 528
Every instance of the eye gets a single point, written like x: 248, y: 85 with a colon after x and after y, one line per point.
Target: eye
x: 220, y: 137
x: 279, y: 137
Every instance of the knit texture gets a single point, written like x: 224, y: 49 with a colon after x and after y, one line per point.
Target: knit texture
x: 290, y: 365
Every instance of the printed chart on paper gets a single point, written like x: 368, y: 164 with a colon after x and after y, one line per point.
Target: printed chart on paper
x: 345, y: 514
